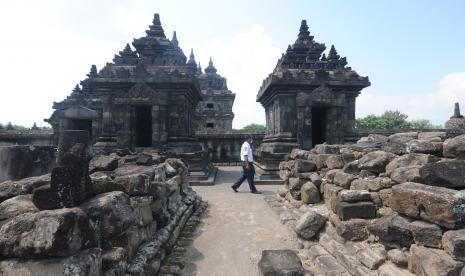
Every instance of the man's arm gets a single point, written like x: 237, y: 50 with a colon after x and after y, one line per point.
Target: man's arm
x: 246, y: 159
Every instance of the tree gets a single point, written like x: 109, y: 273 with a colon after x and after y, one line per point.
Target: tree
x: 422, y: 124
x: 9, y: 126
x: 1, y: 126
x: 391, y: 120
x: 254, y: 127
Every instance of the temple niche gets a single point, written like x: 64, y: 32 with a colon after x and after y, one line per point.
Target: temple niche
x: 145, y: 98
x: 214, y: 112
x: 309, y: 99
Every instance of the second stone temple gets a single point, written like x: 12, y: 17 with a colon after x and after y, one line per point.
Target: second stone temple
x: 309, y: 99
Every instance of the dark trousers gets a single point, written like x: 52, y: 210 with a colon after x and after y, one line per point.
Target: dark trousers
x: 249, y: 175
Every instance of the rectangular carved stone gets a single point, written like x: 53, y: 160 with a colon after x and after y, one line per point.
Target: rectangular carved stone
x: 427, y: 261
x: 363, y: 209
x: 445, y: 207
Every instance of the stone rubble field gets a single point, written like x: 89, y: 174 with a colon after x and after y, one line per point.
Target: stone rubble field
x: 383, y: 206
x: 117, y: 214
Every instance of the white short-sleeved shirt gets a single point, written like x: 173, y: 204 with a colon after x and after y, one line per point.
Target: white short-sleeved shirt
x: 246, y: 149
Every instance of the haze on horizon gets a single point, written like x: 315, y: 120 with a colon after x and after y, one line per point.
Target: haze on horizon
x: 412, y: 51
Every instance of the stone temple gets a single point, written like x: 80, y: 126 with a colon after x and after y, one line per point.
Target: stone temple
x: 215, y: 111
x: 144, y: 98
x: 309, y: 99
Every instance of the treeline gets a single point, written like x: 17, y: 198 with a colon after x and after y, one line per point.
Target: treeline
x: 392, y: 120
x: 10, y: 126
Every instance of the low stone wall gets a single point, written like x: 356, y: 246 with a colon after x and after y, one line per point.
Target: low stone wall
x: 25, y: 137
x: 120, y: 214
x: 224, y: 147
x: 17, y: 162
x: 387, y: 132
x: 386, y: 205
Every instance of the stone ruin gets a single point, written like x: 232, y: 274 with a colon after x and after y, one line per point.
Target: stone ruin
x: 308, y: 99
x: 117, y: 214
x: 456, y: 121
x: 214, y: 112
x: 144, y: 99
x: 382, y: 206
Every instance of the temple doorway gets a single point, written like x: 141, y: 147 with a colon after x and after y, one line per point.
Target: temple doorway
x: 143, y: 126
x: 80, y: 124
x: 318, y: 125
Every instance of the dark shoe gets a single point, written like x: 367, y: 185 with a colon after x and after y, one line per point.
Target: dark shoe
x: 234, y: 189
x: 256, y: 192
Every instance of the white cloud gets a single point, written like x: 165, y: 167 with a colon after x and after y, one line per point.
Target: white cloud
x: 436, y: 106
x: 245, y: 61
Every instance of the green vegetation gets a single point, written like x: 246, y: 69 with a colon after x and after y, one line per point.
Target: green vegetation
x: 392, y: 120
x: 254, y: 127
x: 10, y: 126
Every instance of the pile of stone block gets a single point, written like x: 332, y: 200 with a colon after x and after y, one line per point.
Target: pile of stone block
x: 116, y: 214
x: 405, y: 193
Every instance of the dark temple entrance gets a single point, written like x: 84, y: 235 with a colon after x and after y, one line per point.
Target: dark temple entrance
x: 143, y: 126
x: 318, y: 125
x: 80, y: 124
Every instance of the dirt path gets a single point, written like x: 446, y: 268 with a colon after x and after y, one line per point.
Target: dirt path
x: 235, y: 230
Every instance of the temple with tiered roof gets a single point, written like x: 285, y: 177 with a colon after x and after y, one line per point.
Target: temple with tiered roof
x: 145, y: 98
x: 214, y: 112
x: 309, y: 99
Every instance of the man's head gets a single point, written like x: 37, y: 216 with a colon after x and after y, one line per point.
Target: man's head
x: 249, y: 139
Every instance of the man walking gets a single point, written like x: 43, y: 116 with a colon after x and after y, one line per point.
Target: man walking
x: 248, y: 171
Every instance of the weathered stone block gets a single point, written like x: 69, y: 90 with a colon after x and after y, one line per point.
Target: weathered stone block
x: 343, y: 179
x: 353, y: 230
x: 114, y: 261
x: 353, y: 196
x: 446, y: 173
x: 61, y: 232
x: 426, y: 234
x: 375, y: 161
x: 304, y: 166
x: 403, y: 137
x: 299, y: 154
x: 398, y: 257
x: 330, y: 195
x: 309, y: 225
x: 411, y: 159
x: 407, y: 174
x: 86, y: 263
x: 111, y: 211
x: 103, y: 163
x: 319, y: 159
x: 346, y: 210
x: 455, y: 147
x: 326, y: 149
x: 335, y: 162
x: 280, y: 263
x: 309, y: 193
x: 453, y: 242
x: 141, y: 206
x: 144, y: 160
x: 421, y: 146
x: 395, y: 148
x: 16, y: 206
x: 432, y: 135
x: 9, y: 189
x: 393, y: 229
x: 438, y: 205
x: 428, y: 261
x: 134, y: 185
x: 351, y: 167
x: 371, y: 184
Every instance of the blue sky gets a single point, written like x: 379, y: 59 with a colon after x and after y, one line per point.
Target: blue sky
x: 411, y: 50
